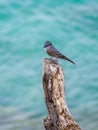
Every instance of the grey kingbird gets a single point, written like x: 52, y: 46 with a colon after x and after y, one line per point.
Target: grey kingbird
x: 53, y: 52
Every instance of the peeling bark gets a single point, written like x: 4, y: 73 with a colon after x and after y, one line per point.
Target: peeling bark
x: 59, y: 117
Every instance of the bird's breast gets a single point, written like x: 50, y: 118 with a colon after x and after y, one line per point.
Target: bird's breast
x: 46, y: 49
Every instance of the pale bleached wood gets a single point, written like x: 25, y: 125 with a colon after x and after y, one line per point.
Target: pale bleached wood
x: 59, y: 117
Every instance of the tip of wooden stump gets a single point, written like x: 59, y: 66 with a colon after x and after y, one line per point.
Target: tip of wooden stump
x: 50, y: 61
x: 50, y: 66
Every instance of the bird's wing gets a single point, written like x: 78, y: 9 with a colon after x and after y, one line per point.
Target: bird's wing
x: 55, y: 53
x: 52, y: 51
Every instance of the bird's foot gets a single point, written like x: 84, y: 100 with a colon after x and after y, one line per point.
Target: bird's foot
x: 54, y: 60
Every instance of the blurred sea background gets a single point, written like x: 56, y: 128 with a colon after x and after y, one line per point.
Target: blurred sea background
x: 25, y: 25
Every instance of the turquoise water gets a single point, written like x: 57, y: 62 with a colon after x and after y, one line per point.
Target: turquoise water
x: 72, y: 26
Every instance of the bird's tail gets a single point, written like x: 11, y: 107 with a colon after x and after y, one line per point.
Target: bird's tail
x: 70, y: 60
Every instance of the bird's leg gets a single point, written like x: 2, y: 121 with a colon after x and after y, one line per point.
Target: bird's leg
x: 54, y: 60
x: 51, y: 58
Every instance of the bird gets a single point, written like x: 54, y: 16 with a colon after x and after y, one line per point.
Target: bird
x: 54, y: 53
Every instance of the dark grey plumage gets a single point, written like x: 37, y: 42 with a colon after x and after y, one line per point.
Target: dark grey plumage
x: 53, y: 52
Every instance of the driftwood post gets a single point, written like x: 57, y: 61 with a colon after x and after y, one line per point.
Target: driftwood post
x: 59, y: 118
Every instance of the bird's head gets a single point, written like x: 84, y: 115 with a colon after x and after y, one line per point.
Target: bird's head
x: 47, y: 44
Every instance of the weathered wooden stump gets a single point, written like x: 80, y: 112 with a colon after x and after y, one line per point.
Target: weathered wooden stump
x: 59, y: 117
